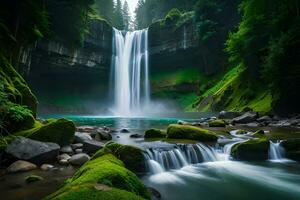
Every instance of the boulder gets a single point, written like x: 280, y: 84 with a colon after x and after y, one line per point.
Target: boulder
x: 66, y: 149
x: 102, y: 133
x: 79, y: 159
x: 91, y: 146
x: 77, y: 146
x: 228, y: 115
x: 63, y: 157
x: 31, y: 150
x: 81, y: 137
x: 251, y: 150
x: 87, y: 129
x: 247, y: 117
x: 63, y: 162
x: 46, y: 167
x: 124, y: 130
x: 265, y: 118
x: 21, y: 166
x: 217, y: 123
x: 176, y: 131
x: 155, y: 133
x: 78, y: 151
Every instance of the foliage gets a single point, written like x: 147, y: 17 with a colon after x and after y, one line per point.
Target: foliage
x: 172, y: 17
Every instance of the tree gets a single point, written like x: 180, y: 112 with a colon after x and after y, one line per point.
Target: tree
x: 126, y: 16
x: 118, y: 20
x: 105, y: 9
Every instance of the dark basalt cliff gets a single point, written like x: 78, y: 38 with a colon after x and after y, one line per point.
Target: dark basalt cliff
x: 67, y: 79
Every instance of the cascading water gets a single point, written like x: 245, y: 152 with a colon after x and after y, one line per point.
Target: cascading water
x: 130, y: 72
x: 276, y: 151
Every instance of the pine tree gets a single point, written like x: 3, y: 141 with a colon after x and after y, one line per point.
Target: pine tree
x: 126, y: 16
x: 105, y: 9
x: 118, y: 20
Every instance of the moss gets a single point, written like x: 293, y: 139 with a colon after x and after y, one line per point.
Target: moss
x: 176, y: 131
x: 33, y: 178
x: 132, y: 157
x: 93, y: 192
x: 107, y: 170
x: 256, y: 149
x: 155, y: 133
x: 259, y: 134
x: 217, y: 123
x: 59, y: 131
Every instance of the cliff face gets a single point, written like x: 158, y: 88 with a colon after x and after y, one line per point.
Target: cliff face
x: 69, y: 80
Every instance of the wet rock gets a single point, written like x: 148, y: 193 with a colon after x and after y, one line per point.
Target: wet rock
x: 31, y: 150
x: 91, y: 146
x: 21, y: 166
x: 246, y: 118
x: 253, y: 124
x: 87, y: 129
x: 154, y: 192
x: 46, y: 167
x: 63, y: 157
x: 181, y: 122
x: 103, y: 133
x: 217, y: 123
x: 292, y: 148
x: 155, y: 133
x: 77, y: 146
x: 228, y: 115
x: 79, y: 159
x: 33, y: 178
x: 63, y: 162
x: 124, y: 130
x: 265, y: 118
x: 136, y: 135
x: 77, y: 151
x: 80, y: 137
x: 281, y: 123
x: 66, y: 149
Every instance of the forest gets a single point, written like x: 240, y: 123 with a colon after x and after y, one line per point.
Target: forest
x: 149, y: 99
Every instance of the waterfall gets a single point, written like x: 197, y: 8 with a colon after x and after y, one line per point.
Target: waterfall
x: 184, y: 37
x: 276, y: 151
x: 130, y: 72
x: 159, y: 160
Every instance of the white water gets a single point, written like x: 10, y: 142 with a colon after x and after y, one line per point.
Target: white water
x: 277, y: 152
x: 130, y: 72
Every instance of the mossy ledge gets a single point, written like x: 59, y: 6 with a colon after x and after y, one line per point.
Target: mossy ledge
x: 155, y: 133
x: 60, y: 131
x: 105, y: 178
x: 176, y: 131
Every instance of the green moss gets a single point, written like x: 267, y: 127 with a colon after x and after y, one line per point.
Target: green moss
x: 59, y: 131
x: 256, y: 149
x: 176, y: 131
x: 132, y: 157
x: 93, y: 192
x: 33, y: 178
x: 217, y: 123
x: 155, y: 133
x: 259, y: 134
x: 107, y: 170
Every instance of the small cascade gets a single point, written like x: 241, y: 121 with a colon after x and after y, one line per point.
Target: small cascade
x: 276, y: 151
x: 159, y: 160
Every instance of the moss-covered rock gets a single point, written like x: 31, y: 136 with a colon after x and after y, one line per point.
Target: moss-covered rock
x: 132, y: 157
x: 259, y: 134
x: 33, y: 178
x: 94, y: 192
x: 155, y: 133
x: 292, y: 148
x: 256, y: 149
x: 106, y: 170
x: 59, y: 131
x: 217, y: 123
x: 176, y: 131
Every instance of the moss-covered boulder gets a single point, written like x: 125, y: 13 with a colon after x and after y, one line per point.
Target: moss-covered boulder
x: 176, y: 131
x: 132, y: 157
x: 217, y: 123
x: 60, y: 131
x: 33, y: 178
x: 292, y: 148
x: 251, y: 150
x: 104, y: 177
x: 155, y: 133
x: 259, y: 134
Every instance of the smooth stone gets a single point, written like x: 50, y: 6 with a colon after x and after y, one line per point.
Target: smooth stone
x: 228, y: 115
x: 79, y: 159
x: 33, y: 178
x: 77, y: 151
x: 103, y: 133
x: 136, y: 136
x: 87, y: 129
x: 246, y: 118
x: 63, y: 162
x: 21, y: 166
x: 63, y: 157
x: 81, y: 137
x: 33, y: 151
x: 77, y: 146
x: 91, y: 146
x: 66, y: 149
x: 124, y: 130
x: 265, y: 118
x: 46, y: 167
x: 181, y: 122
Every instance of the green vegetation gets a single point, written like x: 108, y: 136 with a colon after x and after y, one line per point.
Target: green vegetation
x: 155, y: 133
x: 33, y: 178
x: 176, y: 131
x: 217, y: 123
x: 108, y: 171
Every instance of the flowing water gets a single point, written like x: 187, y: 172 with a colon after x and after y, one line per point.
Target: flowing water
x: 130, y: 72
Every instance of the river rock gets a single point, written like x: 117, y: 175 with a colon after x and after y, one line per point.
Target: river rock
x: 77, y: 151
x: 136, y: 135
x: 87, y: 129
x: 91, y: 146
x: 79, y: 159
x: 80, y: 137
x: 247, y: 117
x: 154, y: 192
x: 63, y: 157
x: 31, y: 150
x: 46, y: 167
x: 265, y: 118
x: 103, y: 133
x: 124, y: 130
x: 21, y: 166
x: 66, y: 149
x: 33, y: 178
x: 77, y: 146
x: 228, y: 115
